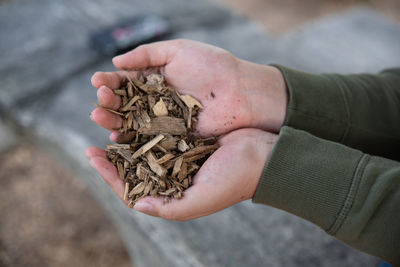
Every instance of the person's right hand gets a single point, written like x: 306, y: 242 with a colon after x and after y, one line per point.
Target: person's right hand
x: 230, y: 175
x: 235, y: 93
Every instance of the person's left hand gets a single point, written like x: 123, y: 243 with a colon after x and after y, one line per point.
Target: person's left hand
x: 229, y: 176
x: 235, y: 93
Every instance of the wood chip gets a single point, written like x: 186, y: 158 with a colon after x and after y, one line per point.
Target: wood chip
x: 154, y: 166
x: 137, y: 189
x: 156, y: 80
x: 182, y: 146
x: 200, y: 150
x: 168, y: 192
x: 114, y: 147
x: 125, y: 138
x: 177, y: 167
x: 182, y: 172
x: 148, y: 188
x: 121, y: 172
x: 162, y: 149
x: 130, y: 103
x: 169, y: 142
x: 190, y: 101
x: 126, y: 191
x: 178, y: 101
x: 142, y: 172
x: 130, y: 90
x: 146, y: 147
x: 165, y: 125
x: 146, y: 119
x: 120, y: 92
x: 165, y: 158
x: 160, y: 109
x: 108, y: 109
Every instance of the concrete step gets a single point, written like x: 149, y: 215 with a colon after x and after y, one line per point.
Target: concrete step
x: 358, y: 40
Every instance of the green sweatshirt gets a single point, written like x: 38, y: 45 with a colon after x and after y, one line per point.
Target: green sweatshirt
x: 336, y: 162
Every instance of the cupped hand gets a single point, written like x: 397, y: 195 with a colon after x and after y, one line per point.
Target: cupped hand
x: 229, y: 176
x: 235, y: 93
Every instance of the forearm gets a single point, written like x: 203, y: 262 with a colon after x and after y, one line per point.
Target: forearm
x: 351, y: 195
x: 360, y: 111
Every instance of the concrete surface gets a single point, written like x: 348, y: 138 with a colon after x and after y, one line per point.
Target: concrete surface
x: 45, y: 80
x: 8, y: 135
x: 358, y: 40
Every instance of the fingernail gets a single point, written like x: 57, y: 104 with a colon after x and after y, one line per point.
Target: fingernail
x: 114, y: 136
x: 143, y: 207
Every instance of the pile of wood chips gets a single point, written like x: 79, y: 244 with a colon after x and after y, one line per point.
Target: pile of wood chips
x: 157, y: 153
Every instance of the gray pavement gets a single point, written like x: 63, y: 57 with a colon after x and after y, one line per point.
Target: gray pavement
x: 45, y: 81
x: 9, y: 134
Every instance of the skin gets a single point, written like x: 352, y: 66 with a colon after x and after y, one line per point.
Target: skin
x: 243, y: 101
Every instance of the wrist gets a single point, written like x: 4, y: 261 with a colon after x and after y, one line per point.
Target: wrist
x: 267, y: 95
x: 261, y: 150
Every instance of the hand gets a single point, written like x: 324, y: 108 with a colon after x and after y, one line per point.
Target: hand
x: 229, y: 176
x: 235, y: 93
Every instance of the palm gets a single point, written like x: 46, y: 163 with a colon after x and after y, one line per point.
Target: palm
x: 235, y: 93
x: 229, y: 176
x: 210, y: 75
x: 224, y: 179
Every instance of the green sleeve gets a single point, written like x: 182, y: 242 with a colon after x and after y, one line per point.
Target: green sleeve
x: 351, y: 195
x: 361, y: 111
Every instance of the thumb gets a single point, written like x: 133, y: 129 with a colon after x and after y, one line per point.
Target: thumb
x: 149, y: 55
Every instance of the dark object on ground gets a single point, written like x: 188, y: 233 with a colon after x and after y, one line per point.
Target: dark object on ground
x: 129, y: 34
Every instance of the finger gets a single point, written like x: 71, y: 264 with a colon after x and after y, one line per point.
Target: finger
x: 106, y: 119
x: 192, y: 205
x: 109, y: 173
x: 149, y: 55
x: 204, y: 197
x: 112, y: 80
x: 95, y: 152
x: 109, y: 79
x: 107, y: 98
x: 114, y: 136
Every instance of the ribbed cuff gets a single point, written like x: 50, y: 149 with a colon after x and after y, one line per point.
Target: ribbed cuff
x: 316, y: 104
x: 312, y: 178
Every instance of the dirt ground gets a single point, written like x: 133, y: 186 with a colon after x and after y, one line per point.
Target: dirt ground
x: 47, y: 216
x: 49, y: 219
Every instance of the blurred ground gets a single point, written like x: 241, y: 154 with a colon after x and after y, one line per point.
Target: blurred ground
x: 62, y: 225
x: 278, y: 16
x: 33, y: 185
